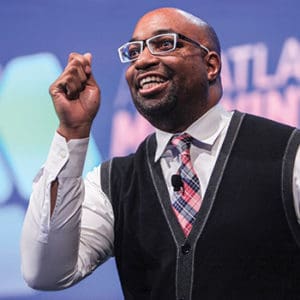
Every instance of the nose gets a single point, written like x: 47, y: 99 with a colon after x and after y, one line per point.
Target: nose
x: 146, y: 59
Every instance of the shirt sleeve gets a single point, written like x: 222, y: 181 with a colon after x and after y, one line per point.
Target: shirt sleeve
x: 60, y: 250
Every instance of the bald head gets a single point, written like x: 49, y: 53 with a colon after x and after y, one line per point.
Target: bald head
x: 211, y: 36
x: 204, y: 32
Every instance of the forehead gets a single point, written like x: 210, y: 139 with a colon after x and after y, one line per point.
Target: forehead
x: 162, y: 21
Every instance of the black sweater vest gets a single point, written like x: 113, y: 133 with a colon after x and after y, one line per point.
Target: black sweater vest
x: 244, y: 243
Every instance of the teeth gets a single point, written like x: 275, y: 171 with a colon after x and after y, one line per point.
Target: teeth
x: 151, y: 79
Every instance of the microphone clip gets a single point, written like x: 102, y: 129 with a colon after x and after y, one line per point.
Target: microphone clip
x: 177, y: 182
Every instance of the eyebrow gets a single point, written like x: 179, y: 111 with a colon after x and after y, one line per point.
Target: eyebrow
x: 156, y: 32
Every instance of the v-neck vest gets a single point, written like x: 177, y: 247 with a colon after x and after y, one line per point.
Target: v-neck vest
x: 244, y: 242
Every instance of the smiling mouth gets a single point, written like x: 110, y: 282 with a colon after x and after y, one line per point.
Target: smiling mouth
x: 151, y: 82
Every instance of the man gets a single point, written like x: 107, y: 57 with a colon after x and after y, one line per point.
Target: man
x: 214, y: 219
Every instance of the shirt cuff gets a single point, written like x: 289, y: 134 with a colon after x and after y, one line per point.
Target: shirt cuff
x: 66, y: 159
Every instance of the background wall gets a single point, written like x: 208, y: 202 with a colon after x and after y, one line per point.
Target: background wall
x: 261, y: 75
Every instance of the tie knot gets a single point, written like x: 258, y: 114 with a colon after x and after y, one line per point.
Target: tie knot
x: 182, y: 142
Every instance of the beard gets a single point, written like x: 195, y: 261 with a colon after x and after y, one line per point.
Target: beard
x: 175, y: 110
x: 155, y: 108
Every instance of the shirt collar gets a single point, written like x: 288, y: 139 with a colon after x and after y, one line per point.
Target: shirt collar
x: 205, y: 130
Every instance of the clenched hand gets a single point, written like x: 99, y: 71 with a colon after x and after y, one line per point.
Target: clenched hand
x: 76, y: 97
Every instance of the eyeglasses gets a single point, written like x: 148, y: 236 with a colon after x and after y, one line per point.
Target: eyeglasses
x: 160, y: 44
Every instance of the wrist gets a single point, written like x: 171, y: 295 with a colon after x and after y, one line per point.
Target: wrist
x: 72, y: 133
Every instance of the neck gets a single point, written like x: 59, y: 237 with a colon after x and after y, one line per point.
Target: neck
x: 173, y: 122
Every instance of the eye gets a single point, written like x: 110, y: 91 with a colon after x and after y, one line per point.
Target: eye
x: 165, y: 44
x: 162, y: 43
x: 132, y: 51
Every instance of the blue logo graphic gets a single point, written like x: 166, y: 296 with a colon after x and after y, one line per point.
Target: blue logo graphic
x: 27, y: 125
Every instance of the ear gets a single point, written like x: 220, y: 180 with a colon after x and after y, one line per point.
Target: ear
x: 213, y: 62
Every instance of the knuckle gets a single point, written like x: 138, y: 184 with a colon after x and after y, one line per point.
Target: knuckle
x: 73, y: 70
x: 73, y: 55
x: 53, y: 87
x: 69, y: 79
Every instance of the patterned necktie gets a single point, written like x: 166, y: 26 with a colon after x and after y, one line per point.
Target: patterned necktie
x: 186, y: 202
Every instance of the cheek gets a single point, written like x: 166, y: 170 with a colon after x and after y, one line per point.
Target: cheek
x: 198, y: 73
x: 190, y: 67
x: 129, y: 76
x: 193, y: 79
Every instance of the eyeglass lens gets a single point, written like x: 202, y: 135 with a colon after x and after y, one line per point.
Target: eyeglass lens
x: 156, y: 45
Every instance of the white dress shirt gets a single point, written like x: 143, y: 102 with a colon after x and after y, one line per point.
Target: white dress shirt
x: 60, y: 250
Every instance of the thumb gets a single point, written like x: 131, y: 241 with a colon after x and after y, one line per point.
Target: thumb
x: 88, y: 56
x: 88, y: 67
x: 91, y: 80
